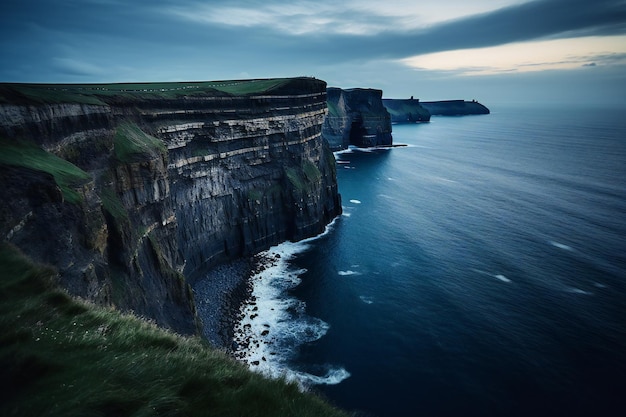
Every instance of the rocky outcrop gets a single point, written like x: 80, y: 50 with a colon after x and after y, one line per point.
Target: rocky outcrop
x: 356, y: 117
x: 454, y: 107
x: 406, y: 110
x: 131, y: 191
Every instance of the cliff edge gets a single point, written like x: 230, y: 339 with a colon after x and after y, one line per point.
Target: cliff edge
x: 131, y: 190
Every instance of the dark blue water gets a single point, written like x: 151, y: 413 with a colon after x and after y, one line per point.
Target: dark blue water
x: 479, y: 271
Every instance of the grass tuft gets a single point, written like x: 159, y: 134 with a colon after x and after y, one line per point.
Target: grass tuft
x: 64, y: 357
x: 113, y: 204
x: 67, y: 176
x: 132, y: 143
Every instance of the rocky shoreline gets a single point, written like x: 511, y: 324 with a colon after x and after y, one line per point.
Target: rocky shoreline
x: 220, y: 295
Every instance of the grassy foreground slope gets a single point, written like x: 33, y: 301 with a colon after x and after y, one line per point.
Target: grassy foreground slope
x: 63, y: 357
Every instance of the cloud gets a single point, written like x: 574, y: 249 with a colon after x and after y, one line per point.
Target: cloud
x: 77, y: 67
x: 533, y: 56
x: 330, y: 31
x: 202, y: 39
x: 529, y: 21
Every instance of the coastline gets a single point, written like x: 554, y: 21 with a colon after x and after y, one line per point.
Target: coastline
x: 273, y: 324
x: 248, y: 311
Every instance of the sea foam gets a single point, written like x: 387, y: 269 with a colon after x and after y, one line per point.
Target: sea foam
x: 348, y: 272
x: 561, y: 246
x: 274, y: 324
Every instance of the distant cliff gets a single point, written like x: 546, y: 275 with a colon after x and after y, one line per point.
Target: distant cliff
x: 356, y: 117
x: 454, y: 107
x: 406, y: 110
x: 130, y: 190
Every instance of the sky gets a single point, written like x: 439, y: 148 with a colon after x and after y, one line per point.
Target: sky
x: 494, y: 51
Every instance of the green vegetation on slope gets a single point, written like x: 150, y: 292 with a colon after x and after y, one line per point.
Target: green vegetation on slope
x: 333, y: 109
x: 113, y: 205
x: 63, y: 357
x: 66, y: 175
x: 303, y: 177
x: 131, y: 142
x: 311, y: 171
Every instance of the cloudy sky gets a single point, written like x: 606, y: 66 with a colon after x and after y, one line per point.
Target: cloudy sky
x: 490, y: 50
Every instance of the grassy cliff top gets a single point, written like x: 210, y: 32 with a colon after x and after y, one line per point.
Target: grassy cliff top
x: 64, y: 357
x: 102, y: 94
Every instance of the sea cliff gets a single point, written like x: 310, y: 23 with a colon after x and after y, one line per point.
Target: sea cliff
x: 132, y: 190
x: 406, y: 110
x: 454, y: 107
x: 356, y: 117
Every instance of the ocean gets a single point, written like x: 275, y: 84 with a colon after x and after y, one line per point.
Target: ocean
x: 478, y: 271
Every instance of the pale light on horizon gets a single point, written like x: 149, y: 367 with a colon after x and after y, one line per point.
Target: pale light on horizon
x: 554, y: 54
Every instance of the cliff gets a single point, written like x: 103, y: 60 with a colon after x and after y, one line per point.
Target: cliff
x: 356, y: 117
x: 132, y: 190
x: 454, y: 107
x: 406, y: 110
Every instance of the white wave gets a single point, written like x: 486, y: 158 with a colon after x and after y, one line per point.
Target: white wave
x: 560, y: 245
x: 441, y: 179
x: 333, y: 377
x: 367, y: 300
x: 599, y: 285
x: 502, y: 278
x: 348, y: 272
x: 344, y: 214
x: 498, y: 276
x: 355, y: 201
x: 273, y: 323
x: 574, y: 290
x: 341, y: 152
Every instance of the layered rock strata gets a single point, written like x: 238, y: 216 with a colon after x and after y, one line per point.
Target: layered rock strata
x: 131, y: 191
x: 356, y: 117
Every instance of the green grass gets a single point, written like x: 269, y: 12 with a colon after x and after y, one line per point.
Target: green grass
x: 66, y: 175
x: 295, y: 177
x: 131, y: 142
x: 100, y: 94
x: 64, y: 357
x: 333, y: 109
x: 302, y: 178
x: 113, y: 204
x: 311, y: 171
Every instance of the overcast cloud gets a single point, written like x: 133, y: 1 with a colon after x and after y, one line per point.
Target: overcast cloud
x: 364, y: 42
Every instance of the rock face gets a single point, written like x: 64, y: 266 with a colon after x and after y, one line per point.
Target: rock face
x: 454, y: 107
x: 406, y: 110
x: 130, y: 191
x: 356, y: 117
